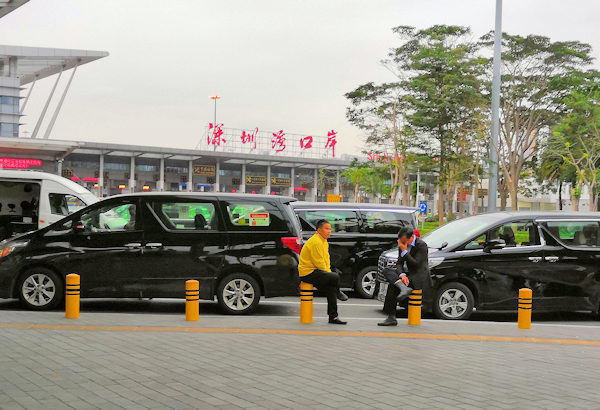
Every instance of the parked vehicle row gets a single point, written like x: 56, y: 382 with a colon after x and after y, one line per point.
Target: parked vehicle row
x: 482, y: 261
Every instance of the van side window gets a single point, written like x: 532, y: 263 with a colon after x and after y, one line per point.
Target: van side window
x: 385, y: 222
x: 341, y: 221
x: 195, y: 216
x: 65, y: 204
x: 584, y: 234
x: 110, y: 218
x: 248, y: 215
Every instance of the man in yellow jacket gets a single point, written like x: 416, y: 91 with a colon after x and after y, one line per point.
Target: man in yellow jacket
x: 315, y: 268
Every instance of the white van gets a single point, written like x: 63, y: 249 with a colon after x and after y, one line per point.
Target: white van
x: 31, y: 200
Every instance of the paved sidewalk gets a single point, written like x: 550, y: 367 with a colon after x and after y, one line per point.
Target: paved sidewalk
x: 167, y: 362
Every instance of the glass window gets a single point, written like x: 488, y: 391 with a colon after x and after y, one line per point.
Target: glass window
x: 514, y: 235
x: 476, y: 243
x: 65, y: 204
x: 576, y: 233
x: 341, y: 221
x: 195, y: 216
x: 110, y: 218
x: 255, y: 215
x: 385, y: 221
x: 456, y: 232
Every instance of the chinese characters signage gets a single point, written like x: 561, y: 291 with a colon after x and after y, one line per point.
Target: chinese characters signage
x: 206, y: 170
x: 256, y: 180
x: 281, y: 182
x: 278, y: 142
x: 19, y: 163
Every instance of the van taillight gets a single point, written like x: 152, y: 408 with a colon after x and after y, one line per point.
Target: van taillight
x: 292, y: 242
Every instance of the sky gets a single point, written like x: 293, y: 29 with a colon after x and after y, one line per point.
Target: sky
x: 276, y: 64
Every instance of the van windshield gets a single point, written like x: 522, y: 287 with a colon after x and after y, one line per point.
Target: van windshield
x: 456, y: 232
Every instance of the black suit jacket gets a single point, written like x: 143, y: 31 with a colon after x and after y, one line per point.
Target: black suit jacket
x: 417, y: 262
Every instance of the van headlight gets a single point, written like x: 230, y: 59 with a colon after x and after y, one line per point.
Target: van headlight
x: 433, y: 262
x: 7, y: 248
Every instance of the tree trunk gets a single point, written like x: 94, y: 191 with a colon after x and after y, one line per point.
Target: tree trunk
x: 407, y: 188
x: 574, y: 200
x: 461, y: 209
x: 356, y: 188
x: 514, y: 205
x: 441, y: 204
x: 592, y: 195
x: 560, y: 204
x: 503, y: 197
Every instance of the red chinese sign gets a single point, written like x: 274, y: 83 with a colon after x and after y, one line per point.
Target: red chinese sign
x: 250, y: 138
x: 18, y: 163
x: 278, y: 141
x: 306, y: 142
x: 215, y: 134
x: 331, y: 141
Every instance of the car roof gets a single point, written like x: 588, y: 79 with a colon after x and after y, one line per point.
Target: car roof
x: 536, y: 215
x: 203, y: 194
x: 350, y: 205
x: 29, y: 175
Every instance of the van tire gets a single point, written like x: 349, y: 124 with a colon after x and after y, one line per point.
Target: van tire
x: 238, y: 294
x: 457, y: 298
x: 40, y: 289
x: 365, y: 284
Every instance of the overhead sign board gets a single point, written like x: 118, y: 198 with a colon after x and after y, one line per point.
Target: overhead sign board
x: 281, y: 182
x: 256, y: 180
x: 206, y: 170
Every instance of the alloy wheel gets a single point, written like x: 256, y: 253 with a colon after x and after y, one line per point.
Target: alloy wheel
x: 368, y: 283
x: 238, y: 294
x: 453, y: 303
x: 38, y: 289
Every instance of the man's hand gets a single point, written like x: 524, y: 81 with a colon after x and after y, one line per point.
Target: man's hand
x: 405, y: 280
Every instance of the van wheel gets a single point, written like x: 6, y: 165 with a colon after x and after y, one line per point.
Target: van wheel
x: 453, y: 301
x: 365, y: 284
x: 40, y: 289
x: 238, y: 294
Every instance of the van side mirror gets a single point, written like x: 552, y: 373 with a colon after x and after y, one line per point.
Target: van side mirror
x: 78, y: 227
x: 494, y: 244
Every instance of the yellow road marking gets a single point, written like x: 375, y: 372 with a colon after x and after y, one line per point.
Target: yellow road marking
x: 427, y: 336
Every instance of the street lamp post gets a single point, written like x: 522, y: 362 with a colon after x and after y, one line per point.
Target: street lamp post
x: 215, y: 98
x: 493, y: 178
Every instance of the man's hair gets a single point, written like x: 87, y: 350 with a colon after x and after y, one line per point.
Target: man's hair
x: 321, y: 222
x: 405, y: 232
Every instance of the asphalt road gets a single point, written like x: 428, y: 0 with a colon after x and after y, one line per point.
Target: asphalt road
x: 353, y: 309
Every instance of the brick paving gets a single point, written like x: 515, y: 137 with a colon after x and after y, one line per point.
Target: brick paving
x: 83, y: 369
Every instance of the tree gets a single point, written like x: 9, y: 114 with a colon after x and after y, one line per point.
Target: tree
x: 577, y: 137
x: 531, y: 102
x: 442, y: 85
x: 358, y: 173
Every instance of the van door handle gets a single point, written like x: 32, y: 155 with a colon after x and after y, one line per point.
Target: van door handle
x: 154, y: 245
x: 552, y: 259
x: 535, y: 259
x: 133, y: 245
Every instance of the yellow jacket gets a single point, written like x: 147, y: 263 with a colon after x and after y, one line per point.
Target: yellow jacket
x: 314, y: 255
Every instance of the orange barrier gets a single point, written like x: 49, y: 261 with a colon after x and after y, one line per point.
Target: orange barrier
x: 72, y: 297
x: 525, y: 307
x: 192, y: 300
x: 414, y: 307
x: 306, y: 302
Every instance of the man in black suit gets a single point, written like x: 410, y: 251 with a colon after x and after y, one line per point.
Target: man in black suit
x: 413, y: 252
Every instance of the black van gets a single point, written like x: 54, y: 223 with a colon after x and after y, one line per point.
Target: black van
x: 359, y: 233
x: 482, y: 261
x: 239, y: 247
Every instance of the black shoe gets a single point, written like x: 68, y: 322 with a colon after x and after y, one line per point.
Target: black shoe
x: 342, y: 296
x: 389, y: 321
x: 336, y: 321
x: 404, y: 291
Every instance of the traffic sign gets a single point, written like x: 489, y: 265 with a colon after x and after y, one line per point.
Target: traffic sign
x: 423, y: 207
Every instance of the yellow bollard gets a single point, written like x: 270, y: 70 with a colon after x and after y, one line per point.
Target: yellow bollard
x: 414, y: 307
x: 525, y: 307
x: 192, y: 300
x: 72, y: 296
x: 306, y: 302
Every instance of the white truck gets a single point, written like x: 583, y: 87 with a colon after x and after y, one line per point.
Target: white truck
x: 31, y: 200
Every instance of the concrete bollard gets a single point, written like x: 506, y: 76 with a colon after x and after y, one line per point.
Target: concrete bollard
x: 414, y: 307
x: 72, y: 296
x: 525, y: 307
x: 192, y: 300
x: 306, y: 302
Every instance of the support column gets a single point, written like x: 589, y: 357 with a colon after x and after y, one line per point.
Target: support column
x: 190, y: 183
x: 59, y: 164
x: 161, y: 180
x: 268, y: 186
x: 101, y: 177
x: 132, y: 175
x: 60, y: 103
x: 12, y: 66
x: 315, y: 182
x: 292, y: 179
x: 218, y: 176
x: 243, y: 180
x: 337, y: 182
x: 43, y: 113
